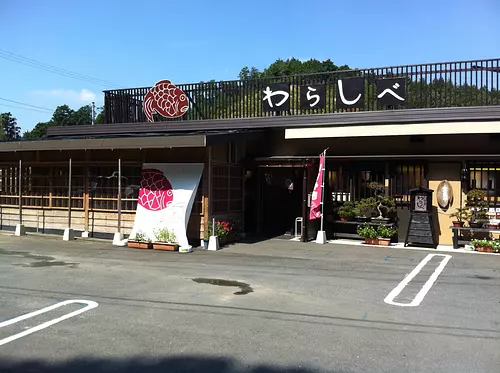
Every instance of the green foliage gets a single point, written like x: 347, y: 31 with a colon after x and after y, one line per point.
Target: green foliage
x: 386, y: 231
x: 494, y: 244
x: 366, y: 207
x: 164, y: 235
x: 347, y: 210
x: 9, y: 130
x: 222, y: 229
x: 367, y: 231
x: 476, y: 198
x: 476, y: 201
x: 140, y: 237
x: 461, y: 213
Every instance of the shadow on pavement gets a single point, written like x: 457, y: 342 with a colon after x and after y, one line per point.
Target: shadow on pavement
x: 183, y: 364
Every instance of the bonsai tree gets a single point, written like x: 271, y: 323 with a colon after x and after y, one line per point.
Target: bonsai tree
x: 461, y: 214
x: 386, y: 206
x: 347, y: 210
x: 476, y: 201
x: 366, y: 207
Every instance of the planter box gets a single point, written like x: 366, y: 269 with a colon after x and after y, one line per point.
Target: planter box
x: 485, y: 249
x: 139, y: 245
x: 384, y: 241
x: 165, y: 246
x: 371, y: 241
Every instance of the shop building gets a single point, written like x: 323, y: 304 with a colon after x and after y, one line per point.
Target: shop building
x: 259, y: 141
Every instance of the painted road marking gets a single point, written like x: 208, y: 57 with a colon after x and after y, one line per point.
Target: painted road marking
x: 89, y: 305
x: 427, y: 286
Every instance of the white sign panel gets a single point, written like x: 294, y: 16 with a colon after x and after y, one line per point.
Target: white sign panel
x: 166, y: 197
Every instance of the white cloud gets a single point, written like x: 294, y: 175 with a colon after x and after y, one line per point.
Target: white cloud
x: 68, y: 96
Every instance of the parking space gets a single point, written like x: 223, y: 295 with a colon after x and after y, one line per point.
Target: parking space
x: 275, y: 303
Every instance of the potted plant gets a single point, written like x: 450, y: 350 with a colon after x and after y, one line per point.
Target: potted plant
x: 221, y: 231
x: 476, y: 201
x: 139, y: 241
x: 165, y: 240
x: 491, y: 225
x: 347, y: 211
x: 385, y: 234
x: 485, y: 246
x: 369, y: 233
x: 365, y: 209
x: 461, y: 213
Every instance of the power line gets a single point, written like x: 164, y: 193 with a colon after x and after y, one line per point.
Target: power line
x: 24, y: 108
x: 53, y: 69
x: 24, y: 104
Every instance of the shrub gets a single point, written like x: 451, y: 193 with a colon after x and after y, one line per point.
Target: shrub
x: 367, y: 231
x: 386, y: 232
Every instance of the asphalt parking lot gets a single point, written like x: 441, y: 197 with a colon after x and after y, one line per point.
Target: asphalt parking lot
x: 265, y: 307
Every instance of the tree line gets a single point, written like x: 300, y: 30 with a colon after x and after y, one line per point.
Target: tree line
x: 63, y: 116
x: 233, y: 99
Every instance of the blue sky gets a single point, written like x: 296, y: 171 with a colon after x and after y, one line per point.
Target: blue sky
x: 135, y: 44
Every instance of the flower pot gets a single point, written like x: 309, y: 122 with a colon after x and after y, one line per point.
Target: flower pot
x: 165, y: 246
x: 484, y: 249
x: 458, y: 223
x: 384, y: 241
x: 371, y: 241
x: 475, y: 224
x: 343, y: 219
x: 139, y: 245
x: 362, y: 219
x: 492, y: 226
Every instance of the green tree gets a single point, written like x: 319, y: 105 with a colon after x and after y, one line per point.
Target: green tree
x: 63, y: 116
x: 100, y: 117
x: 82, y: 116
x: 9, y: 128
x: 39, y: 131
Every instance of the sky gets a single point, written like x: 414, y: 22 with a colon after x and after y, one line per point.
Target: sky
x: 135, y: 44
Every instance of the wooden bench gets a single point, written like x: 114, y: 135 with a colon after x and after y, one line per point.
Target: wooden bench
x: 456, y: 234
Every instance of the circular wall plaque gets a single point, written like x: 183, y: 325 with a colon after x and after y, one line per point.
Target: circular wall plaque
x: 444, y: 194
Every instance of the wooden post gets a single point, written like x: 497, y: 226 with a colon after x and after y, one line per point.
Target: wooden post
x: 86, y: 194
x: 51, y: 188
x: 210, y: 194
x: 303, y: 238
x: 119, y: 195
x: 69, y: 195
x: 20, y: 192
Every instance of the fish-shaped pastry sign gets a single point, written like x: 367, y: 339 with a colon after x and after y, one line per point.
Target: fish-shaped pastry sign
x: 444, y: 194
x: 165, y: 99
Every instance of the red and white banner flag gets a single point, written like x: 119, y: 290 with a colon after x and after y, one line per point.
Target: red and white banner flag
x: 317, y: 194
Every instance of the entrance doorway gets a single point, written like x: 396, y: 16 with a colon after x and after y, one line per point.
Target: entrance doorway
x: 281, y: 199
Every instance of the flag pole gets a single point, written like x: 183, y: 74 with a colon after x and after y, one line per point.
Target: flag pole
x: 323, y: 191
x: 321, y: 236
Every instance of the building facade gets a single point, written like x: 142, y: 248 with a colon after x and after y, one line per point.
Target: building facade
x: 259, y: 140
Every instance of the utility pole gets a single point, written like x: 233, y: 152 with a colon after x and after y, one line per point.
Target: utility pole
x: 93, y: 112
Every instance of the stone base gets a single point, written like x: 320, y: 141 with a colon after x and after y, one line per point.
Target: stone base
x: 321, y: 237
x: 118, y: 239
x: 20, y: 230
x: 85, y: 234
x: 213, y: 243
x: 68, y: 235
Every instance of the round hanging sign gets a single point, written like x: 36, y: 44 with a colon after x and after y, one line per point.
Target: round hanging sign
x: 444, y: 194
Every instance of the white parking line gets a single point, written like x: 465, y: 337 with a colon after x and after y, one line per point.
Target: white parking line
x: 427, y: 286
x: 90, y: 304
